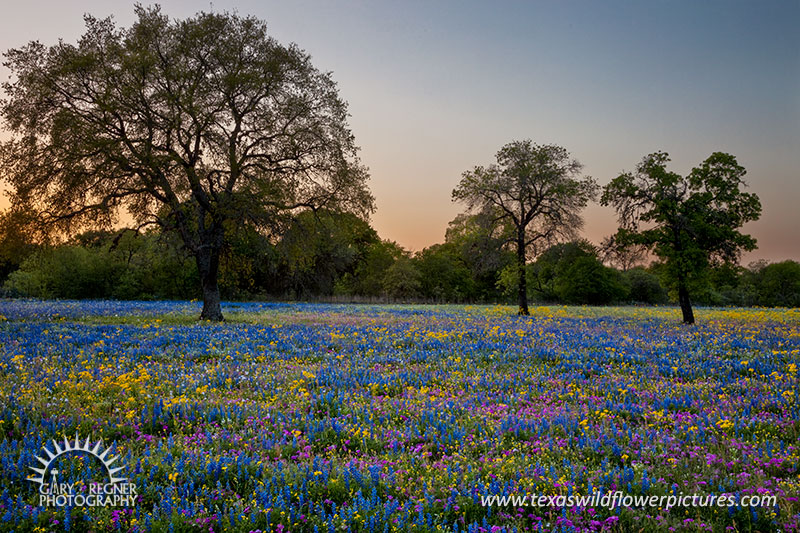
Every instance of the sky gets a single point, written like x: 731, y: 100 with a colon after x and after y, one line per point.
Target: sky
x: 437, y: 87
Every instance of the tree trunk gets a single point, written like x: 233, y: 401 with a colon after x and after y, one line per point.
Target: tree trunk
x: 686, y: 304
x: 208, y: 268
x: 522, y: 286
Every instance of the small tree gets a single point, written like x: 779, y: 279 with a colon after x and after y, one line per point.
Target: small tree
x: 198, y: 126
x: 367, y: 278
x: 478, y: 243
x: 644, y: 286
x: 552, y: 263
x: 688, y: 222
x: 402, y: 279
x: 779, y: 284
x: 319, y: 248
x: 535, y: 189
x: 443, y: 274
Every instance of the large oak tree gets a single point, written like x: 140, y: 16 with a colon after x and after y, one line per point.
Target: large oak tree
x: 535, y: 193
x: 199, y: 126
x: 689, y: 222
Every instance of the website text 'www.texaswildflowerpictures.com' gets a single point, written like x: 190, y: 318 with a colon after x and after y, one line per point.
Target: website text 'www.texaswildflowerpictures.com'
x: 611, y: 500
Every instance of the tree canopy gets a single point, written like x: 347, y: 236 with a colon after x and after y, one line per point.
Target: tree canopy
x: 535, y: 193
x: 199, y: 126
x: 689, y: 222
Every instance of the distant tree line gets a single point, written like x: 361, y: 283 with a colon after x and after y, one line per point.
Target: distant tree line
x: 328, y: 255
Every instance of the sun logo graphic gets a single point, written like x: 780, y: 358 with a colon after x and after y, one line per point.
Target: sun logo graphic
x: 114, y: 491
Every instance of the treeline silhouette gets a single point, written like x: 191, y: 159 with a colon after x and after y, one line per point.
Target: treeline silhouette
x: 335, y: 256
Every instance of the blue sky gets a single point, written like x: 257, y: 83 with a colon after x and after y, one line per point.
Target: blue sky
x: 438, y: 87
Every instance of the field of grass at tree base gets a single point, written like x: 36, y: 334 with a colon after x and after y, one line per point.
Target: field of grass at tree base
x: 319, y: 417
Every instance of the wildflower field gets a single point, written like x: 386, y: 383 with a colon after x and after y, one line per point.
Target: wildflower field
x: 323, y: 418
